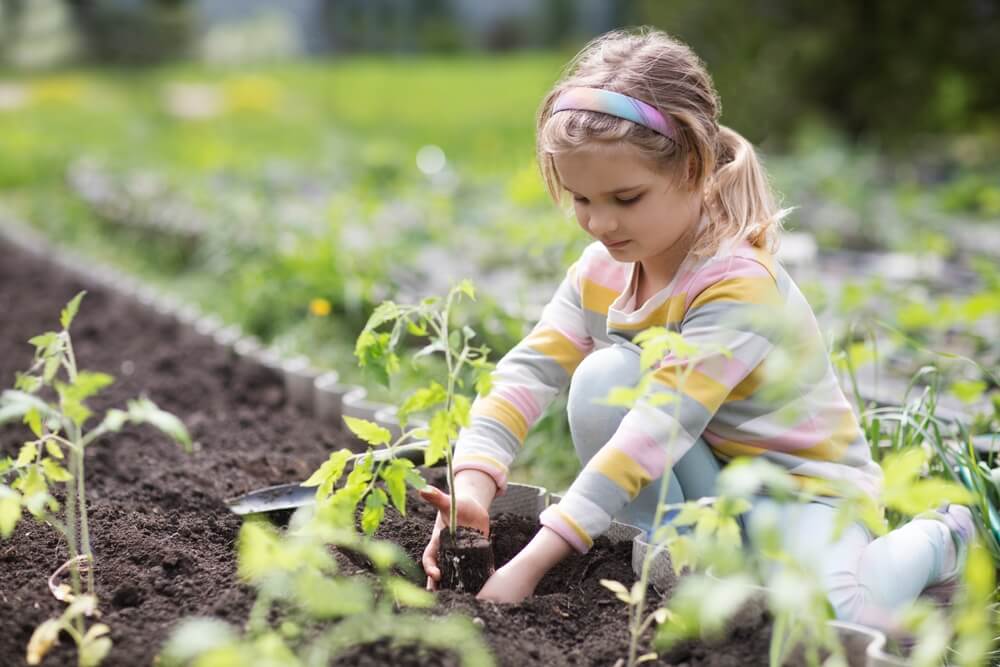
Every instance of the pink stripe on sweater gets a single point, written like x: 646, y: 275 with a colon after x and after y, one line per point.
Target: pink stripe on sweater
x: 803, y: 436
x: 522, y: 400
x: 723, y: 269
x: 551, y: 518
x: 606, y: 272
x: 728, y: 371
x: 642, y: 449
x: 582, y: 344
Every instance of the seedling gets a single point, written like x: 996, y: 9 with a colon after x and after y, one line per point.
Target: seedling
x: 51, y: 399
x: 448, y: 407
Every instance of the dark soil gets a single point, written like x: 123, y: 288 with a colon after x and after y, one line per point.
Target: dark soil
x: 164, y: 539
x: 465, y: 559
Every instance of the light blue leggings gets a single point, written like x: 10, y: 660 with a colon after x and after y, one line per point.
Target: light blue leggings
x: 866, y: 579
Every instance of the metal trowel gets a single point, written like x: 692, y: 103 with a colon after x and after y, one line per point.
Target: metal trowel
x: 292, y: 496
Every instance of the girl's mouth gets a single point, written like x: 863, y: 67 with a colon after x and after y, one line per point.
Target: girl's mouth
x: 613, y: 246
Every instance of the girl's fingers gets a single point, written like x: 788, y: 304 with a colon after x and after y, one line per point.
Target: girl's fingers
x: 429, y: 558
x: 437, y: 498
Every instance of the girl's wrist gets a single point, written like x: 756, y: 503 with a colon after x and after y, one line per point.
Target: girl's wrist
x: 545, y: 550
x: 476, y: 484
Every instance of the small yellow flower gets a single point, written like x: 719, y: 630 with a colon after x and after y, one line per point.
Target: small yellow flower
x: 319, y: 307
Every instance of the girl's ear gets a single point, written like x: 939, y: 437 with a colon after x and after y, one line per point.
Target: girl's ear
x: 692, y: 168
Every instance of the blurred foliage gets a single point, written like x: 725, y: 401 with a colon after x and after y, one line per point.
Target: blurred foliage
x: 883, y: 71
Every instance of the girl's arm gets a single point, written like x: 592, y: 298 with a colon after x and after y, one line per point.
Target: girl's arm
x: 524, y: 382
x: 731, y: 320
x: 518, y: 578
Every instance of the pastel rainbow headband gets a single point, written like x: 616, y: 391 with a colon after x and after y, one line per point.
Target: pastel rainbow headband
x: 614, y: 104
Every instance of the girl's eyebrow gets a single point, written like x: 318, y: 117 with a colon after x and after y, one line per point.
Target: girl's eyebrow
x: 613, y: 192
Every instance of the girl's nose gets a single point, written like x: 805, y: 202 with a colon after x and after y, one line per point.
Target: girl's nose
x: 602, y: 225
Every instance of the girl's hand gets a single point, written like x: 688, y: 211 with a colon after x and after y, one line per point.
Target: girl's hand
x: 474, y: 492
x: 517, y: 579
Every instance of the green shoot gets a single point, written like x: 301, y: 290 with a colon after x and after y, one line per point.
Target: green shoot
x: 59, y: 428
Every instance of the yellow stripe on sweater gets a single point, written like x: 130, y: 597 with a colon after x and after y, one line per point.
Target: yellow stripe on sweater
x: 580, y: 532
x: 707, y: 391
x: 557, y: 347
x: 621, y: 469
x: 750, y: 384
x: 503, y: 411
x: 596, y: 298
x: 760, y: 291
x: 481, y: 458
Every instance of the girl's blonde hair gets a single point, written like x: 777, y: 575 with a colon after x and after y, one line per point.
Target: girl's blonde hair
x: 651, y: 66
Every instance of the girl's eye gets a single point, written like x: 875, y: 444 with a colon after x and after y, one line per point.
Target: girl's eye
x: 623, y: 202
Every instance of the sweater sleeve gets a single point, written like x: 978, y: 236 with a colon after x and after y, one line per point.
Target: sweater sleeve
x: 525, y: 381
x: 723, y: 319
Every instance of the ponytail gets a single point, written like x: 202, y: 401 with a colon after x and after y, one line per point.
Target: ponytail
x: 740, y: 202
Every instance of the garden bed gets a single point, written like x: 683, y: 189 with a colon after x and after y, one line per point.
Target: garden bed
x: 164, y: 539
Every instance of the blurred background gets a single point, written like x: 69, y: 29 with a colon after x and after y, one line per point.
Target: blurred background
x: 288, y: 165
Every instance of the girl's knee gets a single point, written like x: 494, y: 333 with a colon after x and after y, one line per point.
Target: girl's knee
x: 591, y: 422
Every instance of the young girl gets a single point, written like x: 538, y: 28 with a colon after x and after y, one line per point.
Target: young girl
x: 684, y: 227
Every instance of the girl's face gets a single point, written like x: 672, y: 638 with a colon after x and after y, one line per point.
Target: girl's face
x: 640, y: 215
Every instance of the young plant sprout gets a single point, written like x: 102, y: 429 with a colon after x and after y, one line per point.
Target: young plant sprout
x: 50, y: 398
x: 449, y: 409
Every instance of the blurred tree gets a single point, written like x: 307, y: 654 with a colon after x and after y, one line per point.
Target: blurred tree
x: 36, y: 34
x: 135, y: 31
x: 875, y: 68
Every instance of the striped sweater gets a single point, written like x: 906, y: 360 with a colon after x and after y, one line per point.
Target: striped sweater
x: 773, y: 395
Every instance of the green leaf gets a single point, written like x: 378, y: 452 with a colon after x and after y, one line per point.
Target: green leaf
x: 10, y: 510
x: 26, y: 456
x: 53, y: 449
x: 415, y: 479
x: 394, y: 475
x: 384, y: 312
x: 368, y: 431
x: 197, y: 636
x: 114, y: 420
x: 44, y: 343
x: 42, y: 639
x: 618, y: 589
x: 361, y: 474
x: 415, y: 328
x: 467, y: 288
x: 16, y: 404
x: 323, y: 597
x: 51, y: 367
x: 95, y: 646
x: 69, y: 312
x: 55, y: 472
x: 439, y: 431
x: 422, y: 399
x: 145, y: 411
x: 484, y: 380
x: 374, y: 510
x: 407, y: 594
x: 624, y: 397
x: 384, y: 555
x: 968, y: 392
x: 460, y: 409
x: 31, y: 483
x: 75, y: 410
x: 27, y: 383
x: 87, y: 384
x: 329, y: 473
